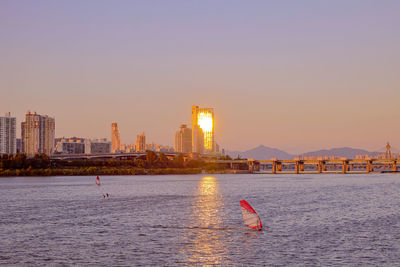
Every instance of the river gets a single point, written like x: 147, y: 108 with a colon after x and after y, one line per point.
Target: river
x: 186, y: 220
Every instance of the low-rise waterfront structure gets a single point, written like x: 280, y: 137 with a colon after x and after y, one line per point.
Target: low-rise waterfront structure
x: 97, y: 146
x: 72, y: 145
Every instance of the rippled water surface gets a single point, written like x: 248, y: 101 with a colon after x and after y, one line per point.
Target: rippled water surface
x: 314, y: 220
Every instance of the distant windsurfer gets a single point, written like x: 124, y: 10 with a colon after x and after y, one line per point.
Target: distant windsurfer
x: 97, y: 181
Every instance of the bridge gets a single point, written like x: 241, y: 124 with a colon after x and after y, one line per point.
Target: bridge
x: 325, y: 166
x: 264, y: 166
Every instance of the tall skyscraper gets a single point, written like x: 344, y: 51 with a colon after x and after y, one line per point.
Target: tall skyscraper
x: 37, y: 134
x: 183, y: 139
x: 141, y: 143
x: 115, y: 138
x: 49, y: 127
x: 23, y: 137
x: 203, y: 140
x: 8, y: 134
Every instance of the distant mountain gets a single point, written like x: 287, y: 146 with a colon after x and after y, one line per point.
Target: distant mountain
x: 261, y: 153
x: 346, y: 152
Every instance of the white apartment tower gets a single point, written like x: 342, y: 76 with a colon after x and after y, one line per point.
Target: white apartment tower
x: 8, y: 134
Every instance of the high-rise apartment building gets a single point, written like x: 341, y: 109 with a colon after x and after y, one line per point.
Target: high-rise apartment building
x: 37, y: 134
x: 203, y: 139
x: 183, y: 139
x: 49, y: 127
x: 141, y: 143
x: 23, y: 137
x: 115, y: 138
x: 8, y: 134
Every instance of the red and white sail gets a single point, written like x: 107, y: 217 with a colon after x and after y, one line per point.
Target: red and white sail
x: 98, y: 181
x: 250, y: 216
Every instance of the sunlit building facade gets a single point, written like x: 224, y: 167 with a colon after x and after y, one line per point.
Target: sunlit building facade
x: 141, y: 143
x: 183, y: 140
x: 49, y: 125
x: 115, y: 138
x: 203, y: 138
x: 37, y: 134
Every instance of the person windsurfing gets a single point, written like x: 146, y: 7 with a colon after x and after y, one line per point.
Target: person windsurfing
x: 250, y: 216
x: 98, y: 181
x: 105, y: 195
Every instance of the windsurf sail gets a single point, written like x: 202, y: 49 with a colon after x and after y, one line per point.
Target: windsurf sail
x: 98, y: 181
x: 104, y: 195
x: 250, y: 216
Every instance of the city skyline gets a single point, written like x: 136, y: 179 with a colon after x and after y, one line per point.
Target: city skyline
x: 298, y: 77
x: 207, y: 113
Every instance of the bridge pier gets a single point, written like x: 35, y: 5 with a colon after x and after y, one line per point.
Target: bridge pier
x: 321, y: 166
x: 274, y: 167
x: 394, y: 166
x: 345, y: 166
x: 301, y: 166
x: 369, y: 166
x: 278, y: 166
x: 253, y: 166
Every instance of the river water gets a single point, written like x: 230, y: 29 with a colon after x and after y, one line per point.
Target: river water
x: 309, y: 220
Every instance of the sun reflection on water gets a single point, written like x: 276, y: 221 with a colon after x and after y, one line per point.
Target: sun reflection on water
x: 205, y: 244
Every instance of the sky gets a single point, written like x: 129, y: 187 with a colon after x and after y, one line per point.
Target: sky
x: 294, y: 75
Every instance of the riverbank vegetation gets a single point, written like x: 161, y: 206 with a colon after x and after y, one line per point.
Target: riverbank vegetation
x: 150, y: 164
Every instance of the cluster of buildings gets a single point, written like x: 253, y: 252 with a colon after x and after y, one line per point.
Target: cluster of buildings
x: 198, y: 139
x: 38, y: 136
x: 201, y: 137
x: 77, y: 145
x: 379, y: 156
x: 140, y: 146
x: 325, y: 157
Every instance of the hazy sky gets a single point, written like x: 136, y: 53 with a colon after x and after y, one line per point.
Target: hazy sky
x: 295, y: 75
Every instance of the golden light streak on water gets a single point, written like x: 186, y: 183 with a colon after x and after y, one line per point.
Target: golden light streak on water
x: 206, y: 243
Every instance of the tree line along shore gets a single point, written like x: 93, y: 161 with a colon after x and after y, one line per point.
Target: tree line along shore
x: 151, y: 164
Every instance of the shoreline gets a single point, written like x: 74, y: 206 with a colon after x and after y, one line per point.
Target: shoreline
x: 91, y: 171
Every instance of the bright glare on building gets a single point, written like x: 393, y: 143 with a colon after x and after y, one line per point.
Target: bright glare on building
x: 205, y: 121
x: 202, y: 130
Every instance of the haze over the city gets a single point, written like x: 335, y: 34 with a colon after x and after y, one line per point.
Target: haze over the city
x: 300, y: 76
